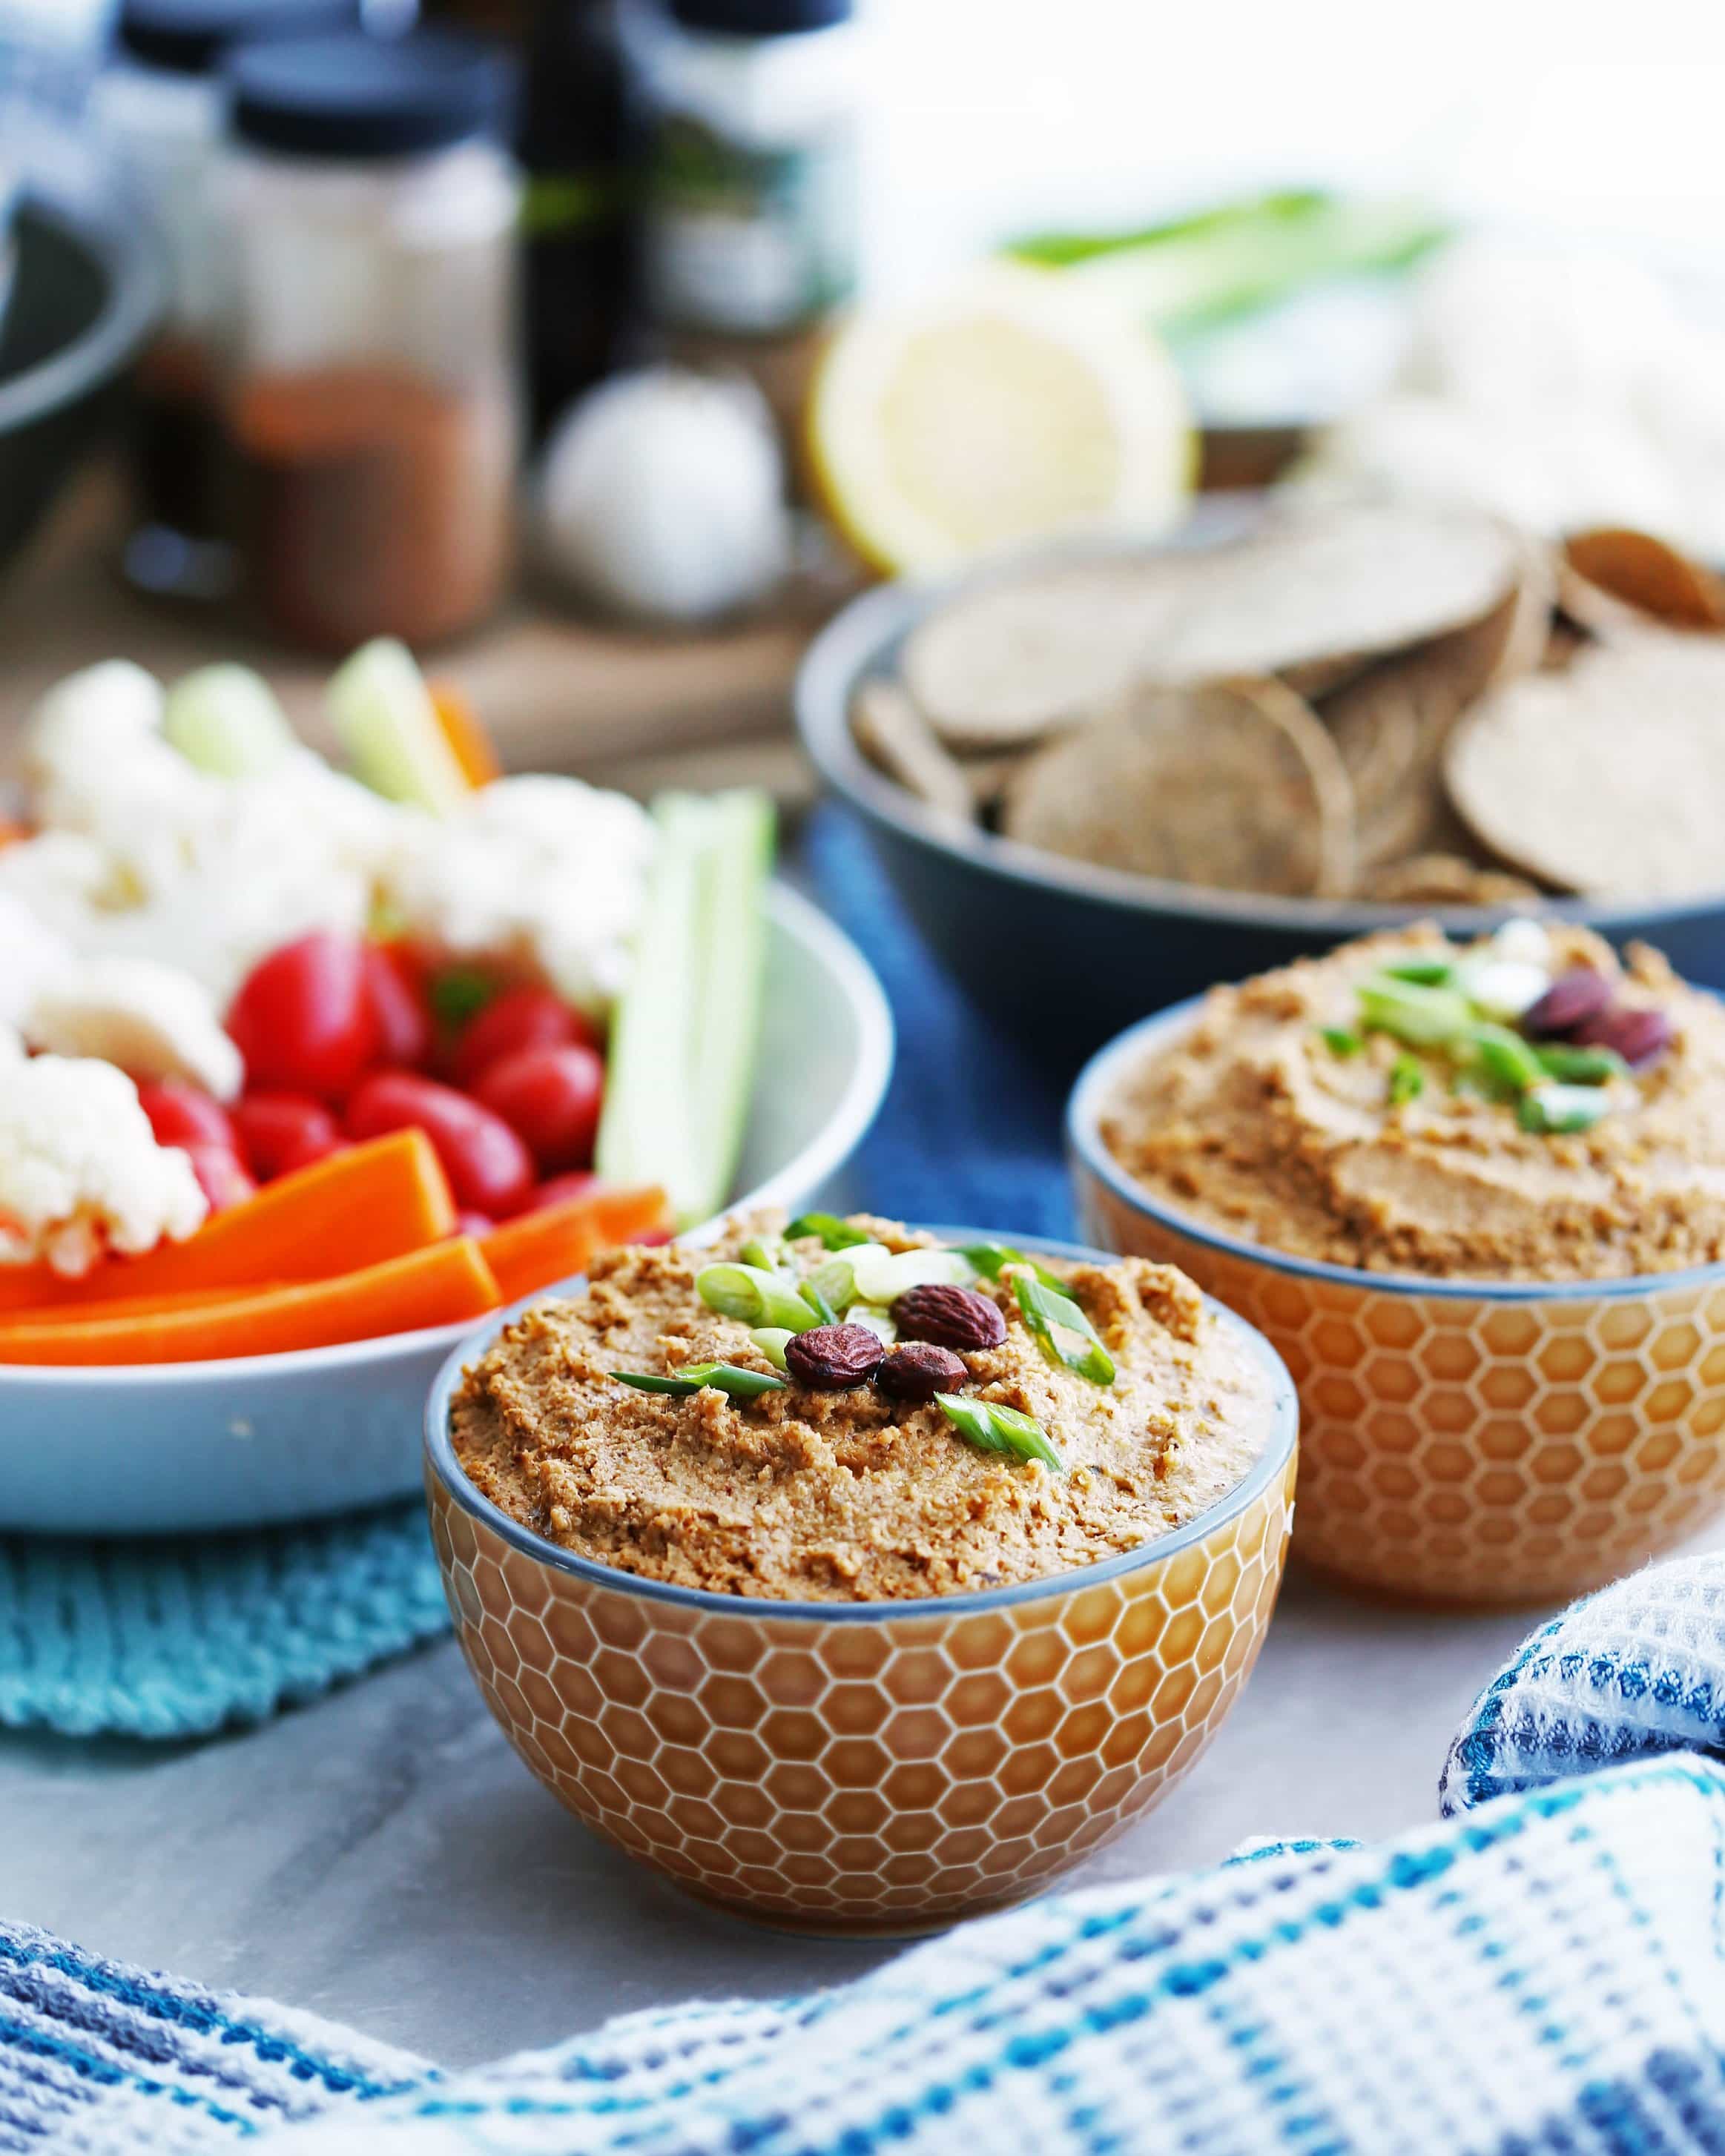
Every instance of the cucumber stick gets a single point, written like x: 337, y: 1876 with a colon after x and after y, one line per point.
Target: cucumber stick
x: 685, y: 1038
x: 228, y: 720
x: 383, y: 714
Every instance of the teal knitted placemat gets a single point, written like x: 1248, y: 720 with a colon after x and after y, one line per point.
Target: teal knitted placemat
x: 165, y: 1639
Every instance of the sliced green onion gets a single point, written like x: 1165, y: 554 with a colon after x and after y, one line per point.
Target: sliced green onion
x: 1507, y: 1059
x: 460, y: 994
x: 824, y: 1314
x: 1422, y: 1017
x: 1554, y: 1110
x: 771, y: 1340
x: 993, y: 1429
x: 1424, y: 973
x: 756, y: 1297
x: 1048, y: 1312
x: 726, y: 1378
x: 769, y: 1257
x: 991, y: 1259
x: 880, y: 1323
x: 1340, y: 1040
x: 882, y: 1276
x: 835, y: 1283
x: 1581, y: 1066
x: 836, y: 1233
x: 1406, y: 1080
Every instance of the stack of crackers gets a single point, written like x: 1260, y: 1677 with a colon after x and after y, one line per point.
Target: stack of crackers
x: 1388, y: 702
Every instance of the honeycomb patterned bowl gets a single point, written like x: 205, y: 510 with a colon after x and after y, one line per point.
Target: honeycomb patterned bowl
x: 864, y: 1766
x: 1463, y: 1441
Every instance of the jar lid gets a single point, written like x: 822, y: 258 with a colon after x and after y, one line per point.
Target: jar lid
x: 369, y: 97
x: 189, y: 37
x: 761, y: 18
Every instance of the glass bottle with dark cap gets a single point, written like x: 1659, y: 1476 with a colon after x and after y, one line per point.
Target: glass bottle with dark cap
x: 372, y: 401
x: 159, y: 109
x: 578, y: 219
x: 751, y: 226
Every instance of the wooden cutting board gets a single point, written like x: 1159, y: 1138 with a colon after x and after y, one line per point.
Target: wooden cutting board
x: 626, y: 708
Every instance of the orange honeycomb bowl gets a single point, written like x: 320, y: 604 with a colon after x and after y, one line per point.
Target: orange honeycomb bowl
x: 864, y: 1766
x: 1466, y: 1441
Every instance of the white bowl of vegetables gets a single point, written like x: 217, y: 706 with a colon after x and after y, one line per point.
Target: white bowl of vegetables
x: 430, y: 1112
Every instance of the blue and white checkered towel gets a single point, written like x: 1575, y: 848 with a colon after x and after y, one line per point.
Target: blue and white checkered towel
x: 1541, y: 1975
x: 1637, y: 1668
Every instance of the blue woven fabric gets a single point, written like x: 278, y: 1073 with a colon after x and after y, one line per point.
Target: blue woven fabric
x: 1637, y: 1668
x: 1544, y: 1977
x: 970, y: 1130
x: 178, y: 1638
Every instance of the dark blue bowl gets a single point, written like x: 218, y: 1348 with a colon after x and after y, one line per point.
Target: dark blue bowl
x: 1066, y: 955
x: 86, y: 290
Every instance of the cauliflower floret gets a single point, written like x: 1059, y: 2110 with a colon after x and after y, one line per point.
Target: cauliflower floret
x: 152, y: 1020
x: 80, y: 1171
x: 31, y: 957
x: 545, y: 874
x: 143, y: 856
x: 100, y: 767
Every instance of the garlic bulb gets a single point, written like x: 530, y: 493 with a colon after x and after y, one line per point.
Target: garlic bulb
x: 662, y: 493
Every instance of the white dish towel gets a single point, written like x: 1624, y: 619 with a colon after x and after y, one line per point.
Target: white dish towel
x: 1543, y: 1974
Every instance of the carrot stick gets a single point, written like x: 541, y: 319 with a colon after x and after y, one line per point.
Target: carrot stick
x: 537, y: 1248
x: 373, y: 1202
x: 440, y: 1286
x: 469, y: 742
x: 111, y: 1307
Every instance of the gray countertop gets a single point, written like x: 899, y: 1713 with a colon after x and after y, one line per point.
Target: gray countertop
x: 383, y: 1858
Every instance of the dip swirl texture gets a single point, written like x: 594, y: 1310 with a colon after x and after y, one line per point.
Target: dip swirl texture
x: 1251, y: 1123
x: 849, y: 1494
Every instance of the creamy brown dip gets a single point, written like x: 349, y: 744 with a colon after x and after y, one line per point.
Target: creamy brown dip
x: 1252, y: 1123
x: 847, y: 1495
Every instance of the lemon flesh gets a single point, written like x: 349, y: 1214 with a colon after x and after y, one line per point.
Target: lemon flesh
x: 1015, y: 406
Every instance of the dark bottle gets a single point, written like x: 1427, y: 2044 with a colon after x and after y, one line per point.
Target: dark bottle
x: 578, y: 221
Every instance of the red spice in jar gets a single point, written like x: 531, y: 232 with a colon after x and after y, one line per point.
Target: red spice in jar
x: 372, y: 502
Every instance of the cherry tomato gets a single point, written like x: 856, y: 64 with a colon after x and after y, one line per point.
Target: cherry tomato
x: 550, y: 1098
x: 468, y: 1222
x: 182, y: 1115
x: 280, y: 1131
x: 518, y: 1019
x: 309, y: 1152
x: 558, y: 1190
x: 220, y: 1176
x: 303, y: 1019
x: 489, y: 1169
x: 398, y: 1001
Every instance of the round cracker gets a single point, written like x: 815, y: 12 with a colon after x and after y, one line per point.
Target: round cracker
x: 1632, y: 569
x: 1375, y: 727
x: 1007, y: 663
x: 1608, y: 777
x: 1349, y: 582
x: 1234, y: 786
x: 1445, y: 880
x: 896, y: 738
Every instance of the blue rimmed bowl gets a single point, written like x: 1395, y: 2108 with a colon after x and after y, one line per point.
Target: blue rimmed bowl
x: 1467, y: 1440
x: 1064, y: 953
x: 864, y: 1766
x: 256, y: 1440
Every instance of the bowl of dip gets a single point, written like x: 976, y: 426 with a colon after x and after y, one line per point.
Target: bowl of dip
x: 1474, y: 1195
x: 818, y: 1646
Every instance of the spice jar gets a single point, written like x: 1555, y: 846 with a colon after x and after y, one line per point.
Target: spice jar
x: 159, y: 104
x: 372, y: 403
x: 749, y: 229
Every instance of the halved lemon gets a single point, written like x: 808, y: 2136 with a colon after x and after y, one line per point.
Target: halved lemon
x: 1013, y: 404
